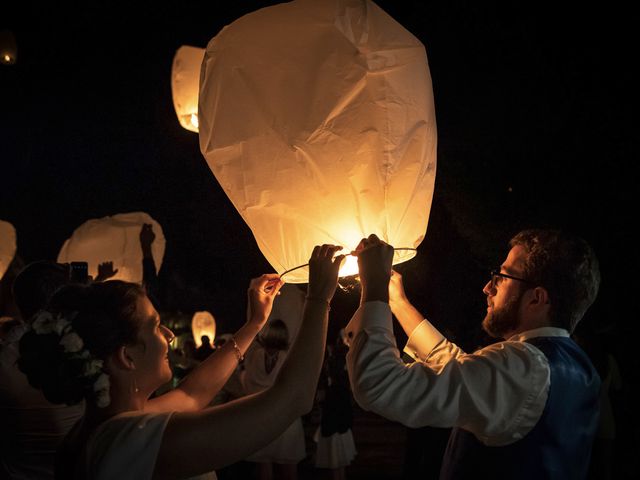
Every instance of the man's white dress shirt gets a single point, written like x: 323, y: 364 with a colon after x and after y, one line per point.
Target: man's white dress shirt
x: 497, y: 393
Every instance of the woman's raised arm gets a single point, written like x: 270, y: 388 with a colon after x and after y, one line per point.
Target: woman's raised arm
x: 198, y: 442
x: 198, y: 388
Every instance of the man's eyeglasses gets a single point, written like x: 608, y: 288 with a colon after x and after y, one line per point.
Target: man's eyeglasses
x: 497, y: 276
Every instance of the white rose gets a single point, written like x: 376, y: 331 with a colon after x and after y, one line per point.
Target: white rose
x: 60, y: 325
x: 92, y: 367
x: 101, y: 383
x: 71, y: 342
x: 43, y: 323
x: 84, y: 355
x: 103, y: 399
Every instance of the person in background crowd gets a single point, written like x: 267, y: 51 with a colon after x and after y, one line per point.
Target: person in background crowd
x: 32, y: 427
x: 261, y: 366
x: 336, y: 448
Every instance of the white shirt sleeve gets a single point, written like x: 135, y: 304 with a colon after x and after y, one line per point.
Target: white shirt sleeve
x: 498, y: 393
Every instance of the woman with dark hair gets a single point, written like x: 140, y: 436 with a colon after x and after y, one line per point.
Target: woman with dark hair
x: 336, y: 448
x: 104, y: 343
x: 261, y: 367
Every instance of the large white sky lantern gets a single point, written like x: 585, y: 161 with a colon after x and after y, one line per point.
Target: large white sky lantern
x: 8, y: 246
x: 185, y: 76
x: 317, y: 119
x: 117, y: 239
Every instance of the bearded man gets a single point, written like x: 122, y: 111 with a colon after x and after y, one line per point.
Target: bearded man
x: 525, y: 407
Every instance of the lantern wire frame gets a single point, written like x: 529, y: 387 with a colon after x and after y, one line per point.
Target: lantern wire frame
x: 351, y: 254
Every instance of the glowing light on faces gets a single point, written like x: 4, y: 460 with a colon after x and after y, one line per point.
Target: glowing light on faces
x: 504, y: 294
x: 501, y: 320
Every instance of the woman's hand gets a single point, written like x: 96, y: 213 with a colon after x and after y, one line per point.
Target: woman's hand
x: 261, y: 293
x: 105, y: 271
x: 323, y: 272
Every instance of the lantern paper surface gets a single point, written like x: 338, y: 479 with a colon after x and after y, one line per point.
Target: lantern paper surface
x: 8, y: 246
x: 317, y: 119
x: 203, y: 323
x: 114, y: 239
x: 185, y: 77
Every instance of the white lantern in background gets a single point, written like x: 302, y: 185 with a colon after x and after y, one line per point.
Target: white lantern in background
x: 203, y: 323
x: 317, y: 119
x: 185, y: 76
x: 114, y: 239
x: 8, y: 48
x: 8, y: 246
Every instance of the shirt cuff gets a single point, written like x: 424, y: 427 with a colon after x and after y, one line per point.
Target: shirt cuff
x: 424, y: 338
x: 369, y: 314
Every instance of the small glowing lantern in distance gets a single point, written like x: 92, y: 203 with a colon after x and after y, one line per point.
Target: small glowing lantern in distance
x: 185, y: 76
x: 8, y: 246
x: 114, y: 239
x: 317, y: 119
x: 8, y: 48
x: 203, y: 323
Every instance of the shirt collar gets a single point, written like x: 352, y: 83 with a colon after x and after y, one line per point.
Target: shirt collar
x: 539, y: 332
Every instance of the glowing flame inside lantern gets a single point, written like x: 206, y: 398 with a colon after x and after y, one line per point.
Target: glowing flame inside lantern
x: 202, y: 324
x: 349, y: 267
x: 350, y: 264
x: 194, y: 120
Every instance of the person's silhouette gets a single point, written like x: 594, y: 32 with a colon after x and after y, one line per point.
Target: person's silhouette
x: 204, y: 350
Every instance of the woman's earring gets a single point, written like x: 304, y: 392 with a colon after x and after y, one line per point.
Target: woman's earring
x: 135, y: 384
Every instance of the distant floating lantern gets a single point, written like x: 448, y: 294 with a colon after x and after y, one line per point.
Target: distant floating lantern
x: 185, y: 77
x: 8, y: 246
x: 202, y: 324
x: 114, y: 239
x: 317, y: 119
x: 8, y: 48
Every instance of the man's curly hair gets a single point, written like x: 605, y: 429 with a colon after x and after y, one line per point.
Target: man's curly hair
x: 567, y: 267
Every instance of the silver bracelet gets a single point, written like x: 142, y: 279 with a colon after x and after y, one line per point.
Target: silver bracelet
x: 236, y: 349
x: 318, y: 299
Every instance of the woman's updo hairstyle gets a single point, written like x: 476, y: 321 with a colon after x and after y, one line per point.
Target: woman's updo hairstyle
x: 103, y: 316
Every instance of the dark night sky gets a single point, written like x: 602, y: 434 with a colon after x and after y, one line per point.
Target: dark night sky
x: 534, y: 123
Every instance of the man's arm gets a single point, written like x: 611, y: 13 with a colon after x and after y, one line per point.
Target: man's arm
x: 423, y: 337
x: 382, y: 382
x: 498, y: 393
x: 402, y: 309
